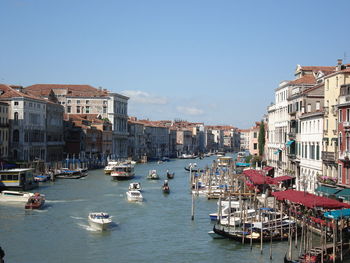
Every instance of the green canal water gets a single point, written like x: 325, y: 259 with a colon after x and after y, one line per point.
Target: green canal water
x: 158, y: 230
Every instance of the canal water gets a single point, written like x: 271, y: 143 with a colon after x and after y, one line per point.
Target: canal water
x: 159, y: 229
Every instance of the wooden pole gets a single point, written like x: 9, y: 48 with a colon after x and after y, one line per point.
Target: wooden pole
x: 261, y: 236
x: 334, y: 240
x: 270, y: 230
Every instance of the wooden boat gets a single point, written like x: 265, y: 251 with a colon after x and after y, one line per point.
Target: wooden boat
x: 165, y: 187
x: 170, y: 175
x: 36, y: 201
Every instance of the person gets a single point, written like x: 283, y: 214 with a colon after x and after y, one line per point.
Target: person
x: 2, y: 255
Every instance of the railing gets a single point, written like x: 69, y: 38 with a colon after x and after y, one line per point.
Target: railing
x: 328, y: 156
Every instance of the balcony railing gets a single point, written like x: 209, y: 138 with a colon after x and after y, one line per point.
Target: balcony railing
x: 328, y: 156
x: 292, y: 155
x: 344, y: 156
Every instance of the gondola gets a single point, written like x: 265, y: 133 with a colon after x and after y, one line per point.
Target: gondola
x: 165, y: 187
x: 170, y: 175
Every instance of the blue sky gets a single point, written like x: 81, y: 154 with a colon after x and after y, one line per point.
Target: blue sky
x: 216, y: 62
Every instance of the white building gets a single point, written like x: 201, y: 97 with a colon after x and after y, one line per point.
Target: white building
x: 278, y: 119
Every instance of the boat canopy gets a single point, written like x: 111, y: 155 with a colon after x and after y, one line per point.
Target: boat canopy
x: 337, y: 214
x: 309, y: 200
x: 326, y: 190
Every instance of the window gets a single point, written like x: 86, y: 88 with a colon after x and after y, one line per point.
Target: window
x: 16, y: 103
x: 340, y: 116
x: 255, y: 135
x: 16, y: 136
x: 318, y: 105
x: 255, y: 146
x: 15, y: 117
x: 317, y: 152
x: 104, y: 109
x: 347, y: 141
x: 78, y: 101
x: 87, y: 109
x: 69, y: 109
x: 340, y: 140
x: 69, y: 102
x: 78, y: 109
x: 309, y: 108
x: 347, y: 114
x: 87, y: 102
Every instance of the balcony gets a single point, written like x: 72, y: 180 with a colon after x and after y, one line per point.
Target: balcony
x: 328, y: 157
x: 292, y: 156
x: 346, y: 124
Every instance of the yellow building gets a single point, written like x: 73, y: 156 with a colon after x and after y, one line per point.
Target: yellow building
x: 332, y: 84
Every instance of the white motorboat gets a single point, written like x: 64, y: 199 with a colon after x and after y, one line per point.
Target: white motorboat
x: 152, y: 174
x: 135, y: 186
x: 14, y: 196
x: 100, y: 220
x: 225, y: 210
x: 110, y: 166
x: 236, y: 218
x: 134, y: 196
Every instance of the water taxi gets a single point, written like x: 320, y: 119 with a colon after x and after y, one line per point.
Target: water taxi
x: 100, y: 220
x: 135, y: 186
x: 152, y: 174
x: 36, y: 201
x: 134, y: 196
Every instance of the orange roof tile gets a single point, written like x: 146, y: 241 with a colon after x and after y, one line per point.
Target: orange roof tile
x: 306, y: 79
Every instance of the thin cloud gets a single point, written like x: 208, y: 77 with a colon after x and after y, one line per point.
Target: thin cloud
x: 144, y: 97
x: 189, y: 110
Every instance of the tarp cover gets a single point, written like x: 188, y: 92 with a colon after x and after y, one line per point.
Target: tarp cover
x: 336, y: 214
x: 327, y: 190
x: 279, y: 179
x: 309, y: 200
x: 345, y: 194
x: 257, y: 178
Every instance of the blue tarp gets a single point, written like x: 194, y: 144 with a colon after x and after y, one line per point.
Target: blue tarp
x: 243, y: 164
x: 289, y: 143
x: 336, y: 214
x: 344, y: 194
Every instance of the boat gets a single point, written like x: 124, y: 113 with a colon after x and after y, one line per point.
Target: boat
x: 165, y: 187
x: 100, y: 220
x: 135, y: 186
x: 110, y: 167
x: 123, y: 171
x: 170, y: 175
x: 18, y: 179
x: 152, y: 174
x: 66, y: 173
x: 193, y: 169
x: 215, y: 235
x: 225, y: 210
x: 236, y: 218
x: 134, y: 196
x: 187, y: 156
x: 36, y: 201
x: 41, y: 178
x: 14, y: 196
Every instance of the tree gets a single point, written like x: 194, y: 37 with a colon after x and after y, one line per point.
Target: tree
x: 261, y: 139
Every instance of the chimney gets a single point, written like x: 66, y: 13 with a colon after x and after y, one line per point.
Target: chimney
x: 339, y: 64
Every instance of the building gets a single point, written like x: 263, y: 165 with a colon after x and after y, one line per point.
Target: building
x: 4, y: 131
x: 254, y: 139
x: 85, y: 99
x: 244, y: 139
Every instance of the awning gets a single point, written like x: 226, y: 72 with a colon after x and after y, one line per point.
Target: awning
x: 336, y: 214
x: 309, y: 200
x: 278, y: 151
x: 256, y: 177
x: 327, y: 190
x: 344, y: 194
x: 279, y: 179
x: 289, y: 143
x: 243, y: 164
x: 268, y: 168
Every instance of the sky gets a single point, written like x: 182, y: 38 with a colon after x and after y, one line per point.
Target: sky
x: 216, y: 62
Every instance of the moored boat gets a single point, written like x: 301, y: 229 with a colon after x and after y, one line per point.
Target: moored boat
x: 100, y: 220
x: 36, y: 201
x: 134, y: 196
x: 66, y: 173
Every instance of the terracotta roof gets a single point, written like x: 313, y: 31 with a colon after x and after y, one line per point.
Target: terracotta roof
x: 306, y: 79
x: 318, y: 68
x: 9, y: 92
x: 72, y: 90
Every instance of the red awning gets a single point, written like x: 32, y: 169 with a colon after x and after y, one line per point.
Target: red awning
x: 309, y: 200
x: 279, y: 179
x: 256, y: 177
x: 268, y: 168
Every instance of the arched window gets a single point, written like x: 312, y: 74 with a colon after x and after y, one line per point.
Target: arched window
x: 340, y: 140
x: 347, y: 141
x: 15, y: 117
x: 16, y: 136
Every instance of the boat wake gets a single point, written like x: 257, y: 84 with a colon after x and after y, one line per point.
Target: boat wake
x: 65, y: 201
x: 77, y: 217
x: 87, y: 227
